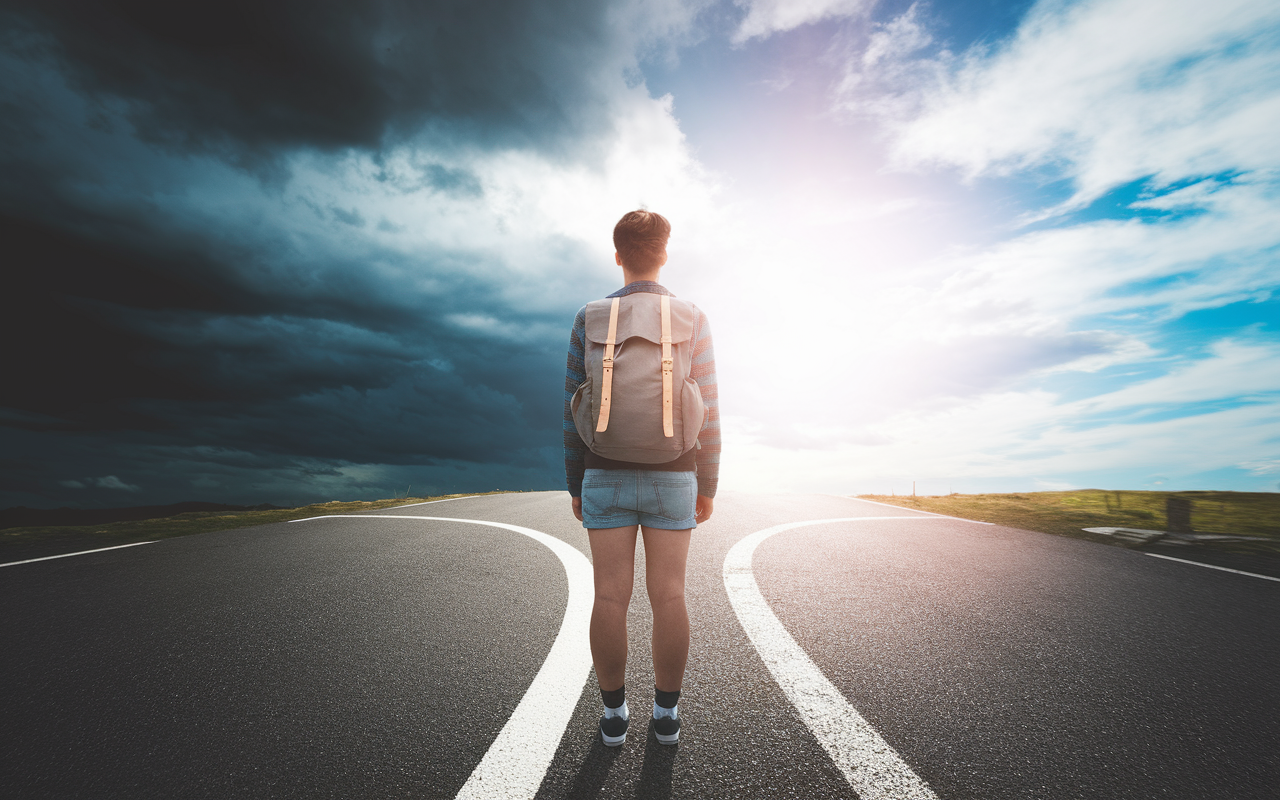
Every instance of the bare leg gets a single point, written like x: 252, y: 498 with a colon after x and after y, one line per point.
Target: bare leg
x: 666, y: 554
x: 613, y: 558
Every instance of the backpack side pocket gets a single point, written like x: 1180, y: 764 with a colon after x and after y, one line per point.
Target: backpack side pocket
x: 583, y: 419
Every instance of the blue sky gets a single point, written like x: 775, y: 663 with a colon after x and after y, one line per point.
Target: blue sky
x: 282, y: 255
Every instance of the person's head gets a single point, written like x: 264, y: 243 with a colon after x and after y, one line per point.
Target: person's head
x: 640, y: 238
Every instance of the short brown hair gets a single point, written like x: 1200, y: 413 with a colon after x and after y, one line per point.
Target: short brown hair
x: 640, y: 238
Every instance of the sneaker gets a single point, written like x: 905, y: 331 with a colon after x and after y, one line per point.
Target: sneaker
x: 613, y: 726
x: 666, y: 725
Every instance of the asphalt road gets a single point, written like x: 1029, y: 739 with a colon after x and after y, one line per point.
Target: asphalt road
x: 356, y: 658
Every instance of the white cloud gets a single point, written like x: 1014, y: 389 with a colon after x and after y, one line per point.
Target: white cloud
x: 1111, y: 91
x: 524, y: 231
x: 1234, y: 370
x: 888, y: 341
x: 1267, y: 467
x: 1055, y: 486
x: 944, y: 365
x: 775, y: 85
x: 1149, y: 271
x: 767, y: 17
x: 1003, y: 437
x: 112, y: 482
x: 887, y: 77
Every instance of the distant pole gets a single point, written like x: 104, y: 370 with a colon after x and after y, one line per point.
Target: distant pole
x: 913, y: 488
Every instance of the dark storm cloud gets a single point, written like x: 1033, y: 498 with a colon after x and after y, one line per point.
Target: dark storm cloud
x: 107, y: 338
x: 230, y: 352
x: 265, y: 76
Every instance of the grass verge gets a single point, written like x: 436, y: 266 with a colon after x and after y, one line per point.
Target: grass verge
x: 1066, y: 513
x: 17, y: 544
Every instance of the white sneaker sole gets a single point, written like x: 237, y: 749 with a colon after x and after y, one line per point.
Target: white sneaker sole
x: 673, y: 738
x: 612, y: 741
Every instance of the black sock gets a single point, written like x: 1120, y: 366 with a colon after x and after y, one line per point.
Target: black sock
x: 666, y: 699
x: 615, y: 698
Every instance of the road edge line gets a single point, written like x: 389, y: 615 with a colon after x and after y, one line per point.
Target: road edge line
x: 1215, y: 566
x: 913, y: 510
x: 79, y: 553
x: 441, y: 500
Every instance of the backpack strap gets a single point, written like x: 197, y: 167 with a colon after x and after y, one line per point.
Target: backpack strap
x: 607, y: 391
x: 668, y: 428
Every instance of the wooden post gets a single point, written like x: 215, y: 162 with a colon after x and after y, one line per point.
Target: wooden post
x: 1178, y: 514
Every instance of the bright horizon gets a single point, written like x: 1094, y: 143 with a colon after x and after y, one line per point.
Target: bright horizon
x: 984, y: 247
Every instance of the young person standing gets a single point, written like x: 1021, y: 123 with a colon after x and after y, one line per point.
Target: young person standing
x: 663, y: 499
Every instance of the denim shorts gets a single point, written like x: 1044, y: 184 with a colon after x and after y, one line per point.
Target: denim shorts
x: 616, y: 498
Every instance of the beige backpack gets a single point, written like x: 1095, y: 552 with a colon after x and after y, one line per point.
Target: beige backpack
x: 639, y: 402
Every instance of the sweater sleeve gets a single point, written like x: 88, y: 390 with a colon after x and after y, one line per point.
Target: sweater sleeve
x: 703, y: 370
x: 575, y: 374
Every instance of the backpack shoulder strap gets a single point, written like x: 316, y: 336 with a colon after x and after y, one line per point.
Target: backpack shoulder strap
x: 606, y: 393
x: 668, y: 427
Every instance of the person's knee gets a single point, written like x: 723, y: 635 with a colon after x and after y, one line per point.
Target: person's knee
x: 613, y: 598
x: 667, y: 595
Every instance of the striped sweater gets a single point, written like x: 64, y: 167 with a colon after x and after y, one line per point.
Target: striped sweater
x: 703, y: 369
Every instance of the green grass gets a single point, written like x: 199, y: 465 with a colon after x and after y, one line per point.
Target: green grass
x: 16, y: 543
x: 1066, y: 513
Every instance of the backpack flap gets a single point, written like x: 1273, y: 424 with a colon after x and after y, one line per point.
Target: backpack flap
x: 640, y: 315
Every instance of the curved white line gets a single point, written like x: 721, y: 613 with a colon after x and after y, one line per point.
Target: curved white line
x: 869, y: 764
x: 517, y: 761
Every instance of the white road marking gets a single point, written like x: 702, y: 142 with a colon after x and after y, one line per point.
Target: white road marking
x: 1214, y: 566
x: 80, y: 553
x: 904, y: 508
x: 441, y: 500
x: 1095, y: 530
x: 115, y: 547
x: 517, y: 761
x: 869, y: 764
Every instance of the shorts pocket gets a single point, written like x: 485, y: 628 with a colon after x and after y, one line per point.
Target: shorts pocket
x: 674, y: 499
x: 600, y: 496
